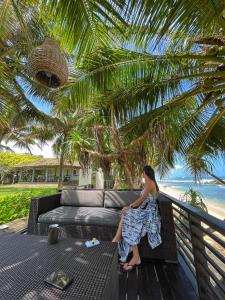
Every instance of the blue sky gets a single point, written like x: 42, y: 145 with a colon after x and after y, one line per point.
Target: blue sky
x: 181, y: 171
x: 40, y: 104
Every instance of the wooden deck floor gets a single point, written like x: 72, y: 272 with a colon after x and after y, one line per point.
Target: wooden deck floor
x: 16, y: 226
x: 155, y: 281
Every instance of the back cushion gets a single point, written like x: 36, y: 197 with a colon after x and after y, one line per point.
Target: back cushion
x: 165, y: 207
x: 82, y: 198
x: 119, y: 199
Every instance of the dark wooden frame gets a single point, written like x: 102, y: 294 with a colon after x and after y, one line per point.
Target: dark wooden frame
x: 191, y: 227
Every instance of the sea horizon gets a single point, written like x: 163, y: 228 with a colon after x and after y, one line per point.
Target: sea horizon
x: 213, y: 194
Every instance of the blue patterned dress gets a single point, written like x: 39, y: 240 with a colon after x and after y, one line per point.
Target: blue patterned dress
x: 137, y: 222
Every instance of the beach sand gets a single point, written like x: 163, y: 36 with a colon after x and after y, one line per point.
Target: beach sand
x: 216, y: 211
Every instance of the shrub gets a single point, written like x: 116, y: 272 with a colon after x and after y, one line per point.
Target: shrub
x: 194, y: 199
x: 16, y: 205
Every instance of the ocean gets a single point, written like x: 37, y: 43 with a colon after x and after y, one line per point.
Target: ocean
x: 213, y: 193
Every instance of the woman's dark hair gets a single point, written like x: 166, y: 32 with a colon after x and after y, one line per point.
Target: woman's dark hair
x: 151, y: 174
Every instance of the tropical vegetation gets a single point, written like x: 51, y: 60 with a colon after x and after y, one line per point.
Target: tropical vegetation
x: 146, y: 82
x: 8, y: 161
x: 194, y: 199
x: 15, y: 201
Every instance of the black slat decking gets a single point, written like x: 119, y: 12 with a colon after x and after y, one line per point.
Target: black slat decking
x: 156, y: 280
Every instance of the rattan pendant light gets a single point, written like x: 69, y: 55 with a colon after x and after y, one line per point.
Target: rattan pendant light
x: 48, y: 65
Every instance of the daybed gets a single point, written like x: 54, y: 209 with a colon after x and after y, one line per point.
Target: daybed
x: 85, y: 214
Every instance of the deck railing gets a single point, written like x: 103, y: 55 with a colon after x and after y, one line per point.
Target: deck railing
x: 201, y: 243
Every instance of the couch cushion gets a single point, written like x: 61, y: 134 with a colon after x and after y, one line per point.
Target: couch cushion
x: 119, y: 199
x: 81, y: 215
x: 82, y: 198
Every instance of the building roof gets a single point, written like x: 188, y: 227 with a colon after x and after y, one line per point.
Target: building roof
x: 48, y: 162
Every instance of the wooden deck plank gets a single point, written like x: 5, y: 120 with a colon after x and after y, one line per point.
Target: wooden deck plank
x: 153, y: 285
x: 16, y: 226
x: 143, y: 292
x: 132, y: 285
x: 122, y: 284
x: 155, y: 281
x: 166, y: 290
x: 182, y: 289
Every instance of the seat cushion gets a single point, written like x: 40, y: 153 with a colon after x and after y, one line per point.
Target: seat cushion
x: 119, y: 199
x: 81, y: 215
x: 82, y: 198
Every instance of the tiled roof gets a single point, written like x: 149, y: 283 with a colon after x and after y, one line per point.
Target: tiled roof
x: 48, y: 162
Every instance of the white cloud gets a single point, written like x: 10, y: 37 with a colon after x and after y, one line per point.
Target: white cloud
x: 46, y: 150
x: 178, y: 167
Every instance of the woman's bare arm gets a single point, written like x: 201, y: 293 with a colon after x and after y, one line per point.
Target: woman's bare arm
x: 147, y: 190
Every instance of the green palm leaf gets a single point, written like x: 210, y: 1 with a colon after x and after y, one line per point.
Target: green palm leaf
x: 83, y: 24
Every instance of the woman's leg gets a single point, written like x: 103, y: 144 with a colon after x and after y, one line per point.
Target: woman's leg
x: 135, y: 260
x: 118, y: 235
x: 136, y: 256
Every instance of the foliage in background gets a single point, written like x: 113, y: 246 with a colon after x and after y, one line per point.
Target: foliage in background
x: 14, y: 159
x: 14, y: 205
x: 173, y: 97
x: 9, y: 160
x: 194, y: 199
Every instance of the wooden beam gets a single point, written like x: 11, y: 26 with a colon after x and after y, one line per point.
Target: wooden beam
x: 33, y: 175
x: 21, y: 175
x: 46, y: 175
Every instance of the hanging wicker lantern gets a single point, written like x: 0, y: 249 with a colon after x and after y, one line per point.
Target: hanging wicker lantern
x: 48, y: 65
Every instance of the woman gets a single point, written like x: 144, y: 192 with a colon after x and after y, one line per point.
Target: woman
x: 139, y: 218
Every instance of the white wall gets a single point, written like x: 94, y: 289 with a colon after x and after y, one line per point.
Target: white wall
x: 85, y: 177
x: 99, y: 179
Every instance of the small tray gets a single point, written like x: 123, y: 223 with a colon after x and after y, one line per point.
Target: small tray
x: 58, y: 279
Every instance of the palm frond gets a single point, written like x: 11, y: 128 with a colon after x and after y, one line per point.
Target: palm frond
x: 82, y: 24
x: 176, y: 19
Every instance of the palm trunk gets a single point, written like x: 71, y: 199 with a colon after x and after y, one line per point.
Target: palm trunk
x: 214, y: 176
x: 124, y: 161
x: 128, y: 176
x: 61, y: 162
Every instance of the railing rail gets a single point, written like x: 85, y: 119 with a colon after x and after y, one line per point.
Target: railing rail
x: 201, y: 242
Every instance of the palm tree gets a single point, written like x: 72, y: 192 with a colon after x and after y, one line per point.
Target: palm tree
x: 146, y: 89
x: 98, y: 140
x: 156, y: 85
x: 18, y: 35
x: 83, y: 23
x: 19, y: 115
x: 194, y: 199
x: 65, y: 123
x: 197, y: 165
x: 182, y: 87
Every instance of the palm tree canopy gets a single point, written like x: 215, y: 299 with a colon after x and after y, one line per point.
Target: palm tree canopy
x: 173, y: 96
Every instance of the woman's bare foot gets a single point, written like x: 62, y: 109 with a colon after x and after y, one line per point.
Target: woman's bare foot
x: 115, y: 240
x: 135, y: 261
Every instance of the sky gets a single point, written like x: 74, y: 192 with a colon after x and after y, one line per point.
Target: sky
x: 45, y: 150
x: 181, y: 171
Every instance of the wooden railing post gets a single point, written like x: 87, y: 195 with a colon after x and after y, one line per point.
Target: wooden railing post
x: 203, y: 279
x: 204, y: 259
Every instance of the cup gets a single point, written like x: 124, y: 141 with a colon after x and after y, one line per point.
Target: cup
x: 53, y: 233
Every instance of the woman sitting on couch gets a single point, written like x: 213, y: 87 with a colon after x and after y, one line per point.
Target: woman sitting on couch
x: 138, y: 219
